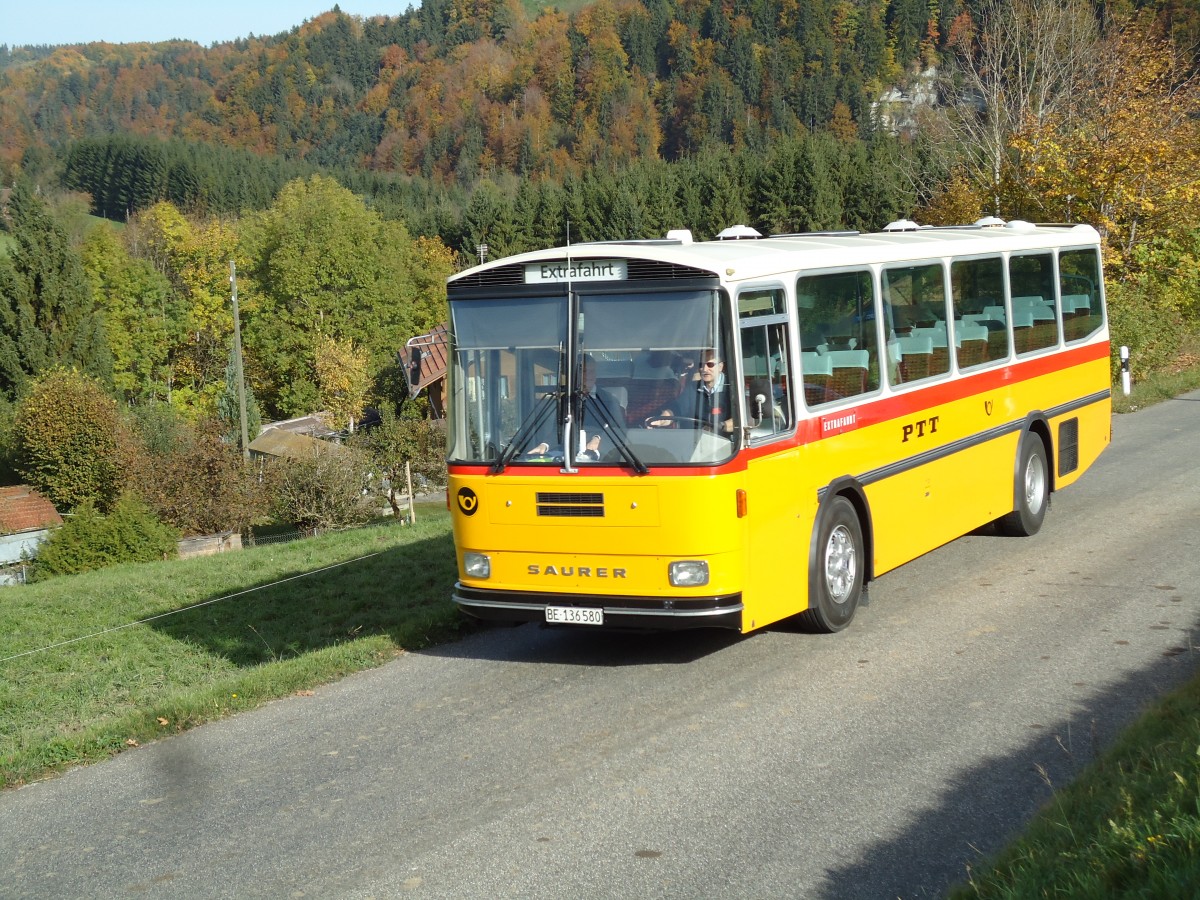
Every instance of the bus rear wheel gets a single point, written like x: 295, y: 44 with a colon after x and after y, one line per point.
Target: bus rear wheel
x: 1031, y: 491
x: 835, y: 579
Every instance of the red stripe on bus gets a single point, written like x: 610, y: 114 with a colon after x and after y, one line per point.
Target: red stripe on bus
x: 869, y: 412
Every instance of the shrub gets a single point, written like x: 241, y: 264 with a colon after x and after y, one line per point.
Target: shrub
x: 322, y: 490
x: 1145, y: 319
x: 68, y: 439
x: 396, y: 441
x: 89, y: 540
x: 193, y: 479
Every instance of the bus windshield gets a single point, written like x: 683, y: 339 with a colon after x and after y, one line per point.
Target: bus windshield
x: 642, y: 379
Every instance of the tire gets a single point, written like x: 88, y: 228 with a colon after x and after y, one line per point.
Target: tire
x: 1031, y: 492
x: 835, y: 580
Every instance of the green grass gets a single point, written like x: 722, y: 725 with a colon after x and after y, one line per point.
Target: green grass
x: 1129, y: 826
x: 205, y: 653
x: 1181, y: 378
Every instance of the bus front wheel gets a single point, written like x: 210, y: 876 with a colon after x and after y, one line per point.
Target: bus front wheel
x: 1031, y: 491
x: 835, y: 579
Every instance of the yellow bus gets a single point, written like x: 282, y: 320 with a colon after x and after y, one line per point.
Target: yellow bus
x: 669, y: 434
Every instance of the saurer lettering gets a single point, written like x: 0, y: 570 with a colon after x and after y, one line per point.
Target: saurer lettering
x: 577, y: 571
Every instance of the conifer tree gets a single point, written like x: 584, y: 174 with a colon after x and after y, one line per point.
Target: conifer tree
x: 47, y: 316
x: 228, y: 411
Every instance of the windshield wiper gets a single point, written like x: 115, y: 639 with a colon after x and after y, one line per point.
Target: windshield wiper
x: 606, y: 418
x: 532, y: 423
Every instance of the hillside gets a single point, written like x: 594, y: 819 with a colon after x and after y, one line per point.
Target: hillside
x: 452, y: 89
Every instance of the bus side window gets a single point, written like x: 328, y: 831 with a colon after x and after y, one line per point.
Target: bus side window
x: 765, y: 363
x: 842, y: 318
x: 918, y: 345
x: 977, y: 287
x: 1079, y: 284
x: 1034, y: 309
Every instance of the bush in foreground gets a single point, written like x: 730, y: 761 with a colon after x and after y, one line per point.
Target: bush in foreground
x: 89, y: 540
x: 320, y: 491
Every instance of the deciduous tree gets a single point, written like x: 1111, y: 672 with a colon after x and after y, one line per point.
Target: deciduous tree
x: 343, y: 379
x: 1018, y: 62
x: 145, y: 325
x: 69, y: 440
x: 1125, y: 156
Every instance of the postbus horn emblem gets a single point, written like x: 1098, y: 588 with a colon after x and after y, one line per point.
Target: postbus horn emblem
x: 467, y: 501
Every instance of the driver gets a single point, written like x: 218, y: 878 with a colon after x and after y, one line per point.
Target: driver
x: 710, y: 404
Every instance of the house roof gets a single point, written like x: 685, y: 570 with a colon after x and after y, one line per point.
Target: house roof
x: 24, y: 509
x: 312, y: 425
x: 278, y: 442
x: 425, y: 358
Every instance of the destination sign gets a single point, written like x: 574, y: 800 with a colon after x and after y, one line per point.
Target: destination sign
x: 576, y: 270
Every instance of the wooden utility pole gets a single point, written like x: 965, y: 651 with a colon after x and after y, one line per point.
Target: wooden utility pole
x: 237, y: 364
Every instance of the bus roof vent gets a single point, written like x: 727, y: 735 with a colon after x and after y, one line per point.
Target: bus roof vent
x: 1021, y: 225
x: 738, y: 233
x: 902, y: 225
x: 683, y: 235
x: 990, y: 222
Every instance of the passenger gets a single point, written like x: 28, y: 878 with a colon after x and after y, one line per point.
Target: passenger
x: 612, y: 414
x: 655, y: 365
x: 709, y: 405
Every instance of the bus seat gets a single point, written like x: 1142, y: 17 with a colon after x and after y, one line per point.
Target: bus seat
x: 1072, y: 304
x: 647, y: 396
x: 1023, y: 330
x: 816, y: 371
x: 969, y: 331
x: 815, y: 363
x: 916, y: 357
x: 849, y: 371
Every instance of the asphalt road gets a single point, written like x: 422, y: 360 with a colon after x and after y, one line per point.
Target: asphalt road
x: 522, y: 762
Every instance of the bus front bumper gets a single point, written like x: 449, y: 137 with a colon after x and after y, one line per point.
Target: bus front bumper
x: 647, y: 613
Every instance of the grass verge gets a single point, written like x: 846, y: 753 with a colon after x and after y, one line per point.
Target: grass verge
x: 1180, y: 378
x: 217, y: 635
x: 1129, y: 826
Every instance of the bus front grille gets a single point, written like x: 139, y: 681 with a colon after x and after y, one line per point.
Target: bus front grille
x: 573, y: 506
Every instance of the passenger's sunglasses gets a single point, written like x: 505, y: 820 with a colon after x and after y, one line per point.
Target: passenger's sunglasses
x: 711, y: 363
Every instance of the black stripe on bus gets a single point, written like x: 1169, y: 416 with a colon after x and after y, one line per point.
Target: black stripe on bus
x: 991, y: 434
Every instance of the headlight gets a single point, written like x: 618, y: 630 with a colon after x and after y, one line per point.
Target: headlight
x: 688, y: 573
x: 476, y: 565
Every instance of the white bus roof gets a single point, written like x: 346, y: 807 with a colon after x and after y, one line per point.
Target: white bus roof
x: 749, y: 259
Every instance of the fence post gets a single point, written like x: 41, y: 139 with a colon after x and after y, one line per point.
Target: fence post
x: 412, y: 506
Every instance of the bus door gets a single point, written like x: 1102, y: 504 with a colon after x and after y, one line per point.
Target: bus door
x: 773, y: 542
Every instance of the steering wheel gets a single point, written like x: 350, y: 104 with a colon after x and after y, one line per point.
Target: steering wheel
x: 672, y: 421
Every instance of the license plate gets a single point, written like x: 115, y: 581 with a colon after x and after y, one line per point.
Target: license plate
x: 574, y: 615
